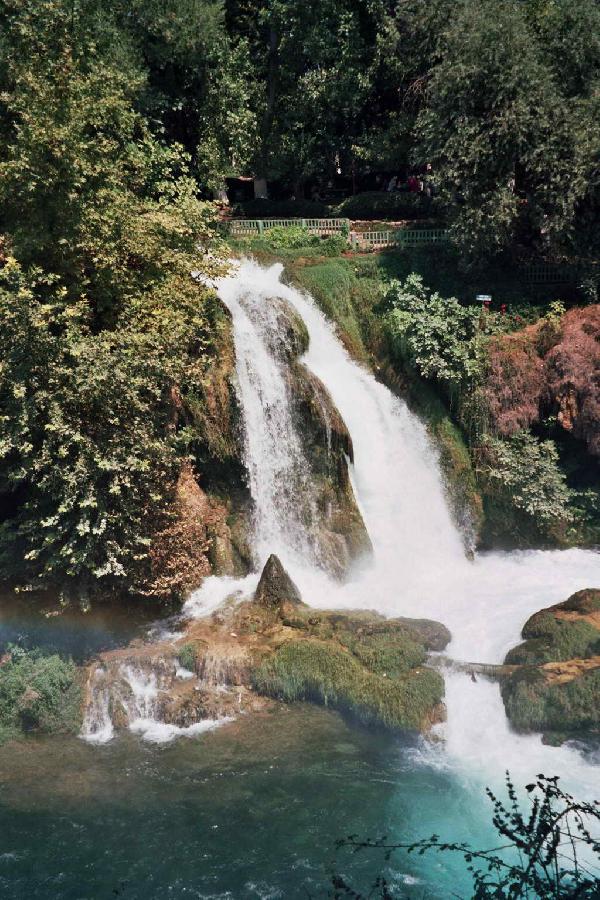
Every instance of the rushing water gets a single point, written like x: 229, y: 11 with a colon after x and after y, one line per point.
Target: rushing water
x: 253, y: 809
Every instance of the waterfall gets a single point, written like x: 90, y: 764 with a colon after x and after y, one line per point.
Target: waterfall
x: 419, y: 567
x: 277, y: 468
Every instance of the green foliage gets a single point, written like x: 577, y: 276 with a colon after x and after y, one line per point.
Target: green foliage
x: 100, y: 316
x: 311, y: 670
x: 523, y: 473
x: 188, y: 656
x: 282, y: 238
x: 38, y: 693
x: 297, y: 237
x: 440, y: 337
x: 281, y: 209
x: 383, y: 205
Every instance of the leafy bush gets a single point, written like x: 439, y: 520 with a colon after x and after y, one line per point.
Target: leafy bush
x: 296, y: 237
x: 86, y: 457
x: 548, y: 851
x: 38, y: 693
x: 438, y: 335
x: 523, y: 473
x: 281, y: 237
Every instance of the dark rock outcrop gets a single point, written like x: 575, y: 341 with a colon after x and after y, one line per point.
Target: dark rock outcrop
x: 340, y: 536
x: 275, y: 587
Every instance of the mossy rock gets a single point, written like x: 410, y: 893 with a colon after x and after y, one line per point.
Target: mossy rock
x: 535, y: 703
x: 325, y: 673
x: 556, y: 689
x: 361, y: 624
x: 569, y: 630
x: 340, y: 536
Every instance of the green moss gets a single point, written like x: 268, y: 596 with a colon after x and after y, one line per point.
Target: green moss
x: 552, y: 638
x: 330, y: 283
x: 391, y: 655
x: 534, y: 704
x: 325, y: 673
x: 38, y: 693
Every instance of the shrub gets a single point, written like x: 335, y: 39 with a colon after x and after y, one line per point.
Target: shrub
x: 38, y: 693
x: 439, y: 336
x: 523, y: 473
x: 281, y: 237
x: 282, y: 209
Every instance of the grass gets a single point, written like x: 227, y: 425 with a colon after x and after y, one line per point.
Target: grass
x: 325, y: 673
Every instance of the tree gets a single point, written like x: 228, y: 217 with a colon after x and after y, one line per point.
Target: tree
x: 100, y: 317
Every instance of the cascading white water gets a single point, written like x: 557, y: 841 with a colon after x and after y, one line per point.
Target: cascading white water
x: 419, y: 567
x: 277, y: 469
x: 137, y: 691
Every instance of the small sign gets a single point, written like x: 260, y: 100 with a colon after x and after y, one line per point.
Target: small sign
x: 484, y: 298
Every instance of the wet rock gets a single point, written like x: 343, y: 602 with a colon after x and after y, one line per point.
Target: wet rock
x: 274, y: 647
x: 285, y: 330
x: 339, y: 534
x: 275, y: 587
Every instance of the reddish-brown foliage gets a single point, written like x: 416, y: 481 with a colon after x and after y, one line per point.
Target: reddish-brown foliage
x: 573, y: 375
x: 515, y: 381
x: 547, y: 367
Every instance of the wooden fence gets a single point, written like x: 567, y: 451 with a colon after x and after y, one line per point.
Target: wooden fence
x: 546, y: 273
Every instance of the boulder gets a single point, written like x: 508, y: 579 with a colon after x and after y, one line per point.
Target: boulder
x: 556, y: 684
x: 275, y: 586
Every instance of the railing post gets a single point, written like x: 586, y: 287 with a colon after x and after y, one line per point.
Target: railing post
x: 261, y: 225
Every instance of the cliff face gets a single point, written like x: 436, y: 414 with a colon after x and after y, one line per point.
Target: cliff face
x: 204, y: 531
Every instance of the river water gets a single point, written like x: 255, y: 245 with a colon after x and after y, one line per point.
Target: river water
x: 253, y: 809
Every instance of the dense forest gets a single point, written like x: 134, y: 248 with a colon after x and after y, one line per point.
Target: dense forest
x: 119, y: 124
